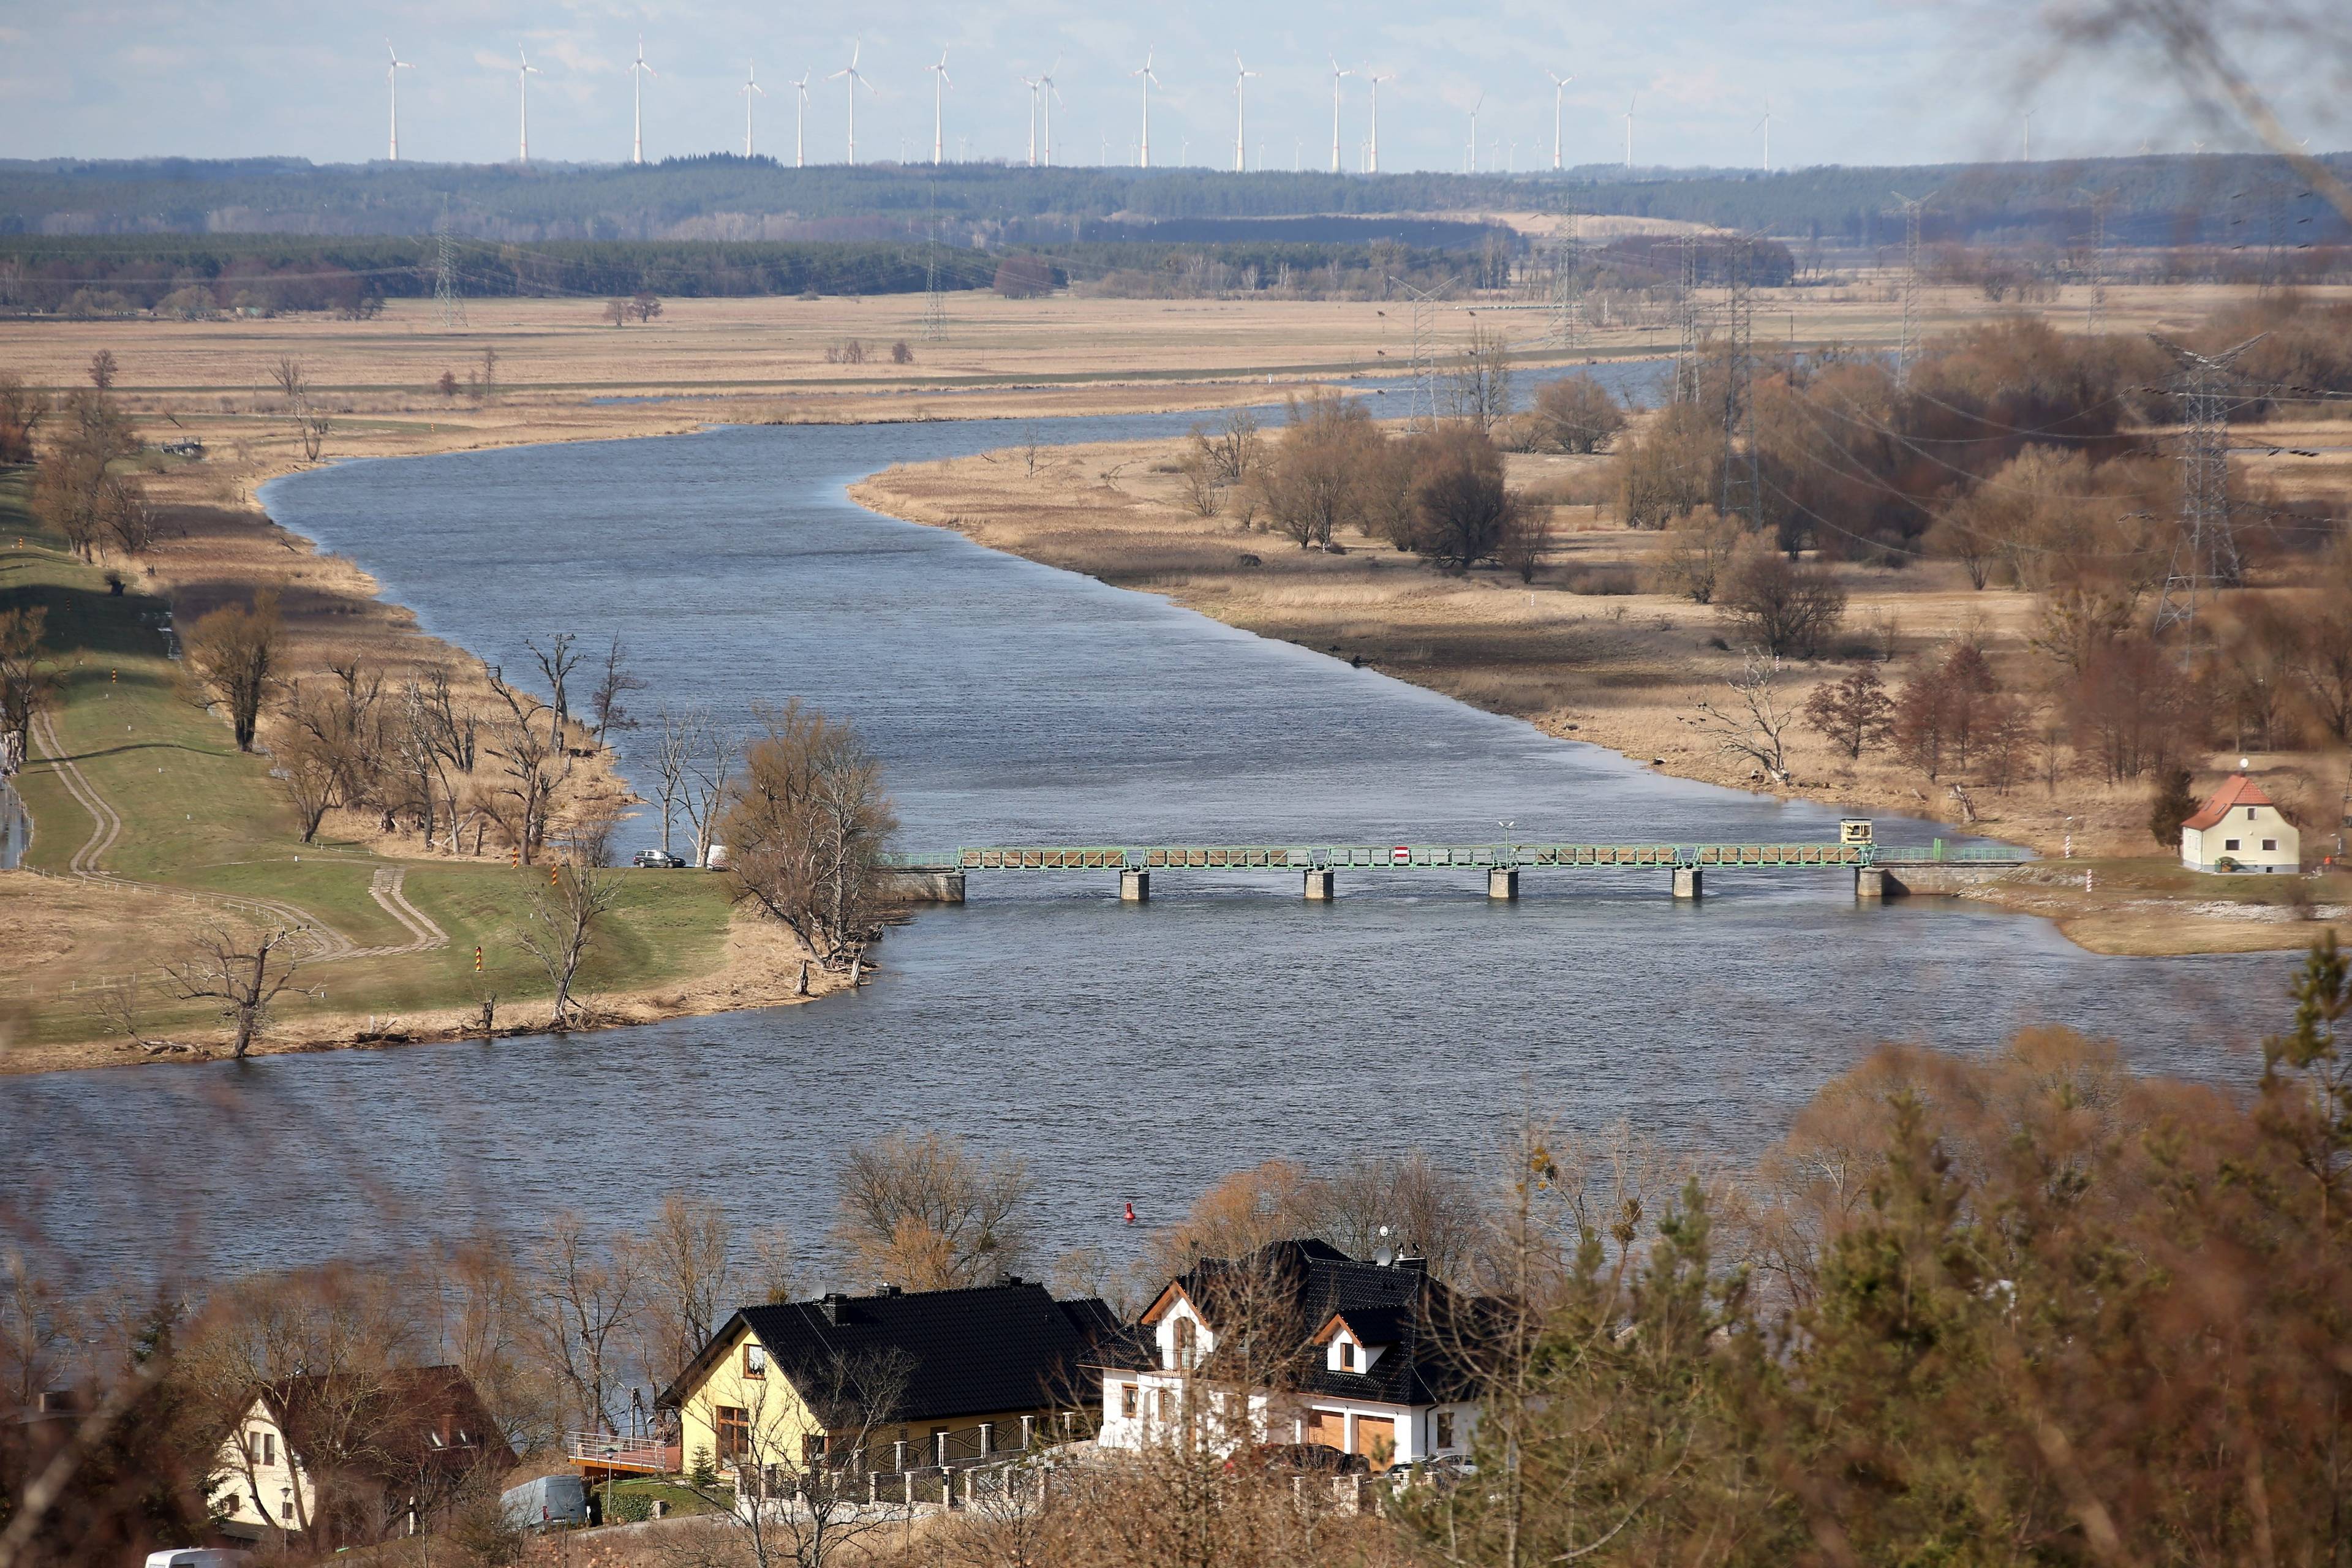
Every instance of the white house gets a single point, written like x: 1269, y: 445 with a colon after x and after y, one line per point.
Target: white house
x: 1371, y: 1359
x: 2241, y: 829
x: 357, y: 1457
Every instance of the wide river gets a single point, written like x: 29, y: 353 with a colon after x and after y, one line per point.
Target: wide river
x: 1131, y: 1053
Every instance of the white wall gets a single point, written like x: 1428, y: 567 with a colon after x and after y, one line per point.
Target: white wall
x: 2248, y: 826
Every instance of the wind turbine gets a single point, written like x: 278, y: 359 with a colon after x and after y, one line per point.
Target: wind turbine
x: 392, y: 80
x: 1558, y: 88
x: 1336, y: 74
x: 939, y: 106
x: 1373, y: 150
x: 638, y: 71
x: 1765, y: 125
x: 800, y: 117
x: 525, y: 71
x: 2026, y: 152
x: 1629, y: 128
x: 1241, y: 74
x: 1032, y: 83
x: 751, y: 89
x: 1143, y: 148
x: 1473, y: 131
x: 855, y: 77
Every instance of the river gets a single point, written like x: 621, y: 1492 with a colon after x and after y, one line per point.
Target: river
x: 1131, y: 1053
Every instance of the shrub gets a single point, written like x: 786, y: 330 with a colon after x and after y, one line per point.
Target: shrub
x: 1577, y: 414
x: 1778, y: 606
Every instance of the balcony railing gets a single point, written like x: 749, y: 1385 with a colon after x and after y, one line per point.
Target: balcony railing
x: 612, y: 1451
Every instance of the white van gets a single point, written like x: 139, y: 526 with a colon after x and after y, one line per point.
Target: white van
x: 200, y: 1557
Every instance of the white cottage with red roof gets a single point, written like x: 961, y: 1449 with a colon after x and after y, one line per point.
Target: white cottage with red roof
x: 2241, y: 829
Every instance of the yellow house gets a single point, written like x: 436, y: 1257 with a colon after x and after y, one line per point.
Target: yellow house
x: 2241, y: 829
x: 897, y: 1381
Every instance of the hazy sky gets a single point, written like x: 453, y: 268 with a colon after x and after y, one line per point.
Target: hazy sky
x: 1850, y: 82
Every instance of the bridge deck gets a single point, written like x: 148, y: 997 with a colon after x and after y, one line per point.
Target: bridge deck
x: 1438, y: 856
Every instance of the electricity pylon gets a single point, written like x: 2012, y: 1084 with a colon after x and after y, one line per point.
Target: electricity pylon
x: 2207, y: 552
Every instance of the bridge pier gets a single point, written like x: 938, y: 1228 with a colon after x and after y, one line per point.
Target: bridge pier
x: 1134, y: 887
x: 929, y: 887
x: 1690, y: 883
x: 1502, y: 881
x: 1321, y: 884
x: 1870, y: 883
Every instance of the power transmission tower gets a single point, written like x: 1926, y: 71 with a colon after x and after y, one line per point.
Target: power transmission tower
x: 1422, y: 405
x: 1908, y: 354
x: 1566, y: 257
x: 1743, y: 479
x: 2207, y: 552
x: 445, y: 298
x: 2101, y: 201
x: 935, y: 305
x: 1687, y: 347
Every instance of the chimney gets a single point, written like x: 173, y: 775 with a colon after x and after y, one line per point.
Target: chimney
x: 836, y: 1307
x: 1413, y: 1261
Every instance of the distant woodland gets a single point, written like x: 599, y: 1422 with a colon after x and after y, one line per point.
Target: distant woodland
x: 2217, y: 199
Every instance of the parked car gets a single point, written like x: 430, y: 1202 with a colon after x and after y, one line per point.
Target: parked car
x: 200, y: 1557
x: 546, y: 1502
x: 660, y: 859
x: 1302, y: 1458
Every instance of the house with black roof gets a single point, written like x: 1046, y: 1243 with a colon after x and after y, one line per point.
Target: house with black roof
x: 901, y: 1380
x: 1299, y: 1343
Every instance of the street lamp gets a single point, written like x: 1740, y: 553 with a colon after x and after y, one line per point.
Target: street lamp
x: 1506, y: 824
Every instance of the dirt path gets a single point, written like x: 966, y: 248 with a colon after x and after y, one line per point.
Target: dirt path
x: 327, y: 945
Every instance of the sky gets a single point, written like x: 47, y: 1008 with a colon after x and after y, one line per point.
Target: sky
x: 1846, y: 81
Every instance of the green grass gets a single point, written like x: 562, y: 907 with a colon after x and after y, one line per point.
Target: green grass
x: 198, y: 814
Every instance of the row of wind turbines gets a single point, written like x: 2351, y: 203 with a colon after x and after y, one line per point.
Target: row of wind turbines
x: 1043, y: 95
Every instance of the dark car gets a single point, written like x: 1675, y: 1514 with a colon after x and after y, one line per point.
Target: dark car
x: 1303, y: 1458
x: 659, y: 860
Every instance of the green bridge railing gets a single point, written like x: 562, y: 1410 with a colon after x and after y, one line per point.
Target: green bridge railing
x: 1435, y: 856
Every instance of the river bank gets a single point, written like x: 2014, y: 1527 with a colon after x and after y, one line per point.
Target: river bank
x: 1583, y: 652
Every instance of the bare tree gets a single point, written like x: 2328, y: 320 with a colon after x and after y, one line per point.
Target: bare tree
x: 687, y: 1259
x: 712, y: 756
x: 528, y: 744
x: 556, y: 662
x: 676, y: 740
x: 559, y: 926
x: 1478, y: 389
x: 581, y: 1299
x: 808, y: 829
x: 614, y: 683
x: 927, y: 1214
x: 243, y: 973
x: 231, y: 655
x: 28, y: 675
x: 103, y: 368
x: 309, y: 777
x: 1753, y: 726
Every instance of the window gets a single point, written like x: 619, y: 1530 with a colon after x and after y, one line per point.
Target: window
x: 815, y: 1446
x: 1165, y: 1403
x: 261, y: 1448
x: 1445, y: 1429
x: 1127, y: 1400
x: 2229, y: 844
x: 1347, y: 1356
x: 2249, y: 813
x: 755, y: 1361
x: 2270, y: 844
x: 1188, y: 1336
x: 733, y: 1427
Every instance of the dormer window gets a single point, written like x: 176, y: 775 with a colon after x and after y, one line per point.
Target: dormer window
x: 1188, y: 1339
x: 1347, y: 1356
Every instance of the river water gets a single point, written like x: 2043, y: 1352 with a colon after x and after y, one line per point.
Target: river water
x: 1132, y: 1053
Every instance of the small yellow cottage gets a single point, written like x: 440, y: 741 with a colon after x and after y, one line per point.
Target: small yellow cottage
x: 898, y: 1381
x: 2241, y: 829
